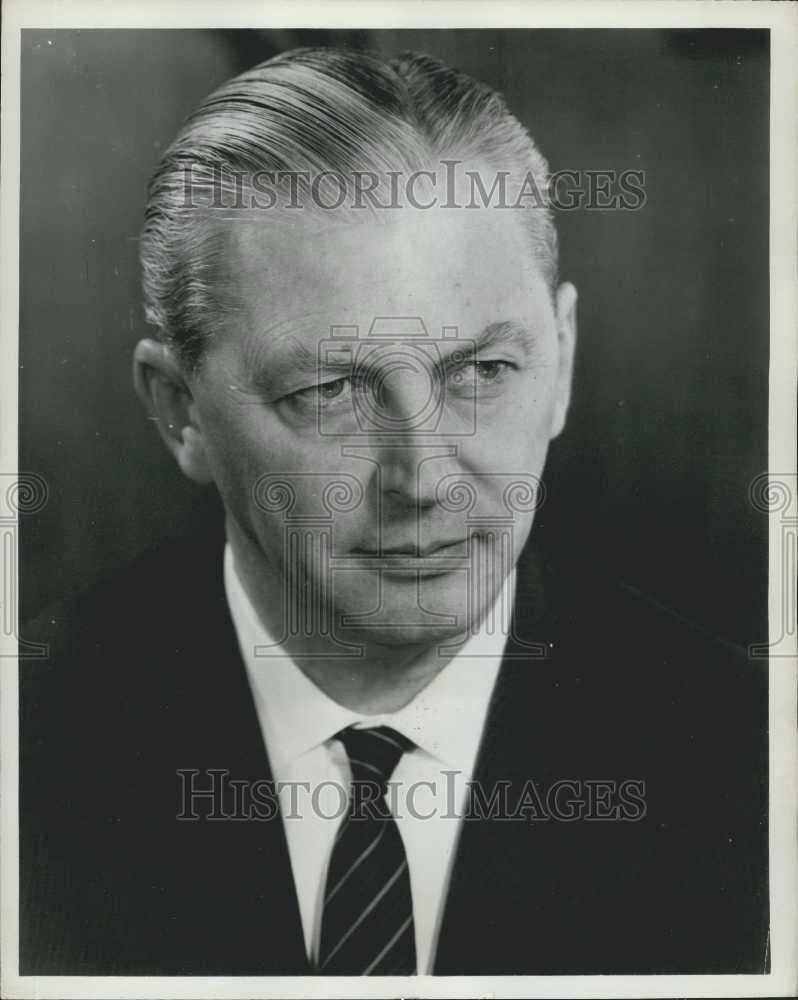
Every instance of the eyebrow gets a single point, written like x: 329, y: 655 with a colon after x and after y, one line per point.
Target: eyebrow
x: 267, y: 373
x: 296, y: 357
x: 507, y: 332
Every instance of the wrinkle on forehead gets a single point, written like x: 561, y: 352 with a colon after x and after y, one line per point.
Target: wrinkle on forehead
x: 456, y: 269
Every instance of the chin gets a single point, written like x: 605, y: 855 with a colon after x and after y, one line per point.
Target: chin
x: 395, y: 636
x: 407, y: 615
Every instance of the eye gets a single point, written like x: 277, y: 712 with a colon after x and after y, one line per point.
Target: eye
x: 325, y: 393
x: 481, y: 373
x: 332, y: 390
x: 491, y: 371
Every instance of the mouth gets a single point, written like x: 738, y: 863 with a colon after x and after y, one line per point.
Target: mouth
x: 403, y: 560
x: 410, y: 549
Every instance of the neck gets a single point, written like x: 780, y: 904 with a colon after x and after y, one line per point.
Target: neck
x: 378, y: 679
x: 384, y: 679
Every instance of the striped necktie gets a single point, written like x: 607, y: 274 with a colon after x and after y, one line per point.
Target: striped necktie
x: 367, y: 920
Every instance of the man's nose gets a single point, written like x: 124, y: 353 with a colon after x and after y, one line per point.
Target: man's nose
x: 405, y: 395
x: 409, y: 400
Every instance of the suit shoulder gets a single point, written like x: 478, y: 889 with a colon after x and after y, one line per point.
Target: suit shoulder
x: 94, y: 642
x: 168, y: 577
x: 651, y: 669
x: 617, y: 618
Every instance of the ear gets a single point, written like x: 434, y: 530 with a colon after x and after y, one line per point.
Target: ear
x: 565, y: 317
x: 166, y: 394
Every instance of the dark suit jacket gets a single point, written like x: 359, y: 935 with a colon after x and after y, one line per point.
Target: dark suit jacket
x: 144, y: 678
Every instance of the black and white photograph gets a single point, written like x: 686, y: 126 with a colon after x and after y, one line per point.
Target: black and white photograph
x: 398, y: 490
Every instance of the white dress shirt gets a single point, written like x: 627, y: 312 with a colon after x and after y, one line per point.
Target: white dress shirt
x: 298, y: 721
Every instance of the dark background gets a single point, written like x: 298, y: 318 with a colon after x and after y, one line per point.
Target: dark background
x: 669, y: 420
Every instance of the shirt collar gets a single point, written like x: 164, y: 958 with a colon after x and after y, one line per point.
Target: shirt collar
x: 445, y: 718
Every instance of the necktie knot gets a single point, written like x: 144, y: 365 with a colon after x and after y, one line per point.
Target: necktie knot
x: 373, y: 753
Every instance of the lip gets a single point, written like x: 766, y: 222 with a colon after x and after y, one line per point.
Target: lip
x: 409, y: 563
x: 410, y: 551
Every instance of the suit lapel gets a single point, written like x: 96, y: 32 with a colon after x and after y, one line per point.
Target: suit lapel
x: 490, y: 863
x: 515, y: 899
x: 246, y: 888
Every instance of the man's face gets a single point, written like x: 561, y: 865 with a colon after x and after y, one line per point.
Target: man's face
x: 424, y: 433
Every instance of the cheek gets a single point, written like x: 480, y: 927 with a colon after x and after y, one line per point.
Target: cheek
x: 238, y: 449
x: 240, y: 435
x: 515, y: 436
x: 530, y: 422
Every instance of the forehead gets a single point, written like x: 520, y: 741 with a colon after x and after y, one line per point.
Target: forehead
x: 297, y: 277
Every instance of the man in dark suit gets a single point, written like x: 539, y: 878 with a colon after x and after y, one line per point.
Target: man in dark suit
x: 369, y: 358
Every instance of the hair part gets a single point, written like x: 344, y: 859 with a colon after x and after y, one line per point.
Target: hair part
x: 302, y: 114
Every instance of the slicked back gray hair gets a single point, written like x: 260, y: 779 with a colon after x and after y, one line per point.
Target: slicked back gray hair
x: 304, y: 113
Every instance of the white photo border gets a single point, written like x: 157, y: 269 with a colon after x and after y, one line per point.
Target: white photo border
x: 782, y: 20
